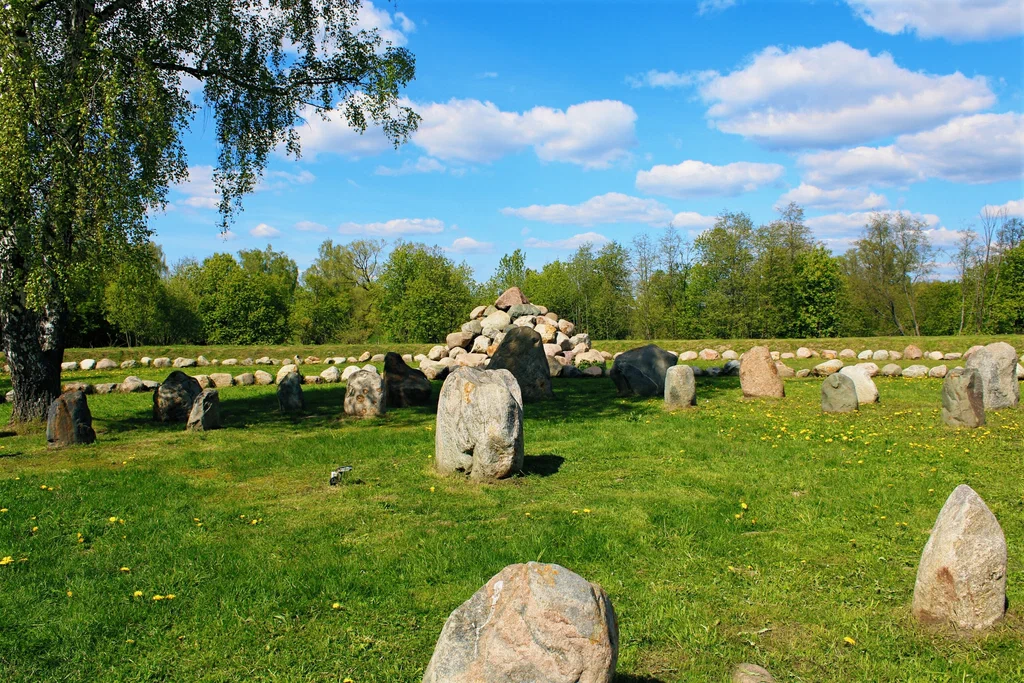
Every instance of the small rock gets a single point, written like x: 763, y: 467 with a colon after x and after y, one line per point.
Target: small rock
x: 88, y: 364
x: 688, y: 356
x: 512, y: 296
x: 848, y: 354
x: 129, y: 364
x: 263, y: 378
x: 709, y: 354
x: 938, y: 371
x: 246, y: 379
x: 915, y: 371
x: 222, y: 379
x: 69, y: 366
x: 912, y: 353
x: 131, y: 384
x: 105, y: 387
x: 285, y: 370
x: 184, y: 362
x: 828, y: 367
x: 751, y: 673
x: 892, y: 370
x: 331, y: 375
x: 803, y: 352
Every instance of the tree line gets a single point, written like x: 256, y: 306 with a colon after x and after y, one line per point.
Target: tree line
x: 734, y: 280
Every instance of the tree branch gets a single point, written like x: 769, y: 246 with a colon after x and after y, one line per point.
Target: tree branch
x: 112, y: 9
x: 202, y: 73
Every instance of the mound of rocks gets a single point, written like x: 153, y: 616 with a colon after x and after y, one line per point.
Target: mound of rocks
x: 478, y: 339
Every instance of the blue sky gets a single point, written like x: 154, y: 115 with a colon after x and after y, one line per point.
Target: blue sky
x: 546, y: 124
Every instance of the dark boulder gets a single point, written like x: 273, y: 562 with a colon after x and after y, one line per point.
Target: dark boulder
x: 289, y: 393
x: 405, y: 386
x: 172, y: 400
x: 68, y: 421
x: 641, y: 372
x: 205, y: 413
x: 521, y: 352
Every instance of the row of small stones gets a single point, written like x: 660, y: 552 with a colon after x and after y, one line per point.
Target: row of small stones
x: 705, y: 354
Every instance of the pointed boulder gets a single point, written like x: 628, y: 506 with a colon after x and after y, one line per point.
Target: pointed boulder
x: 962, y: 576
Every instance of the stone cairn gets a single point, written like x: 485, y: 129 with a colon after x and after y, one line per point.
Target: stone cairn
x: 570, y: 354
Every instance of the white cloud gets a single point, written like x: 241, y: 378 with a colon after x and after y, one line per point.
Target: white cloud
x: 227, y: 235
x: 1014, y: 207
x: 310, y: 226
x: 264, y: 230
x: 834, y: 95
x: 392, y: 28
x: 394, y: 227
x: 574, y: 242
x: 984, y: 148
x: 421, y: 165
x: 711, y: 6
x: 276, y: 180
x: 692, y: 219
x: 852, y: 198
x: 697, y: 178
x: 613, y: 207
x: 468, y: 245
x: 957, y: 20
x: 591, y: 134
x: 330, y: 133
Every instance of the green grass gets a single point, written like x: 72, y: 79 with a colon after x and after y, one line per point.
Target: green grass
x: 838, y: 511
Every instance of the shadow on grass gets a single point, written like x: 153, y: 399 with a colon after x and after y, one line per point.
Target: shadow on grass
x: 630, y: 678
x: 576, y: 400
x: 542, y: 465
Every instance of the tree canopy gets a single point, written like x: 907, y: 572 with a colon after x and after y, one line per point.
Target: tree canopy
x: 94, y: 98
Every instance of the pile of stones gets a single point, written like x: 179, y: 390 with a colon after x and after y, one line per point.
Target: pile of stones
x: 570, y: 353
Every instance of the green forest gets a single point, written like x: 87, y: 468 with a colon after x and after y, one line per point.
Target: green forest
x: 734, y: 280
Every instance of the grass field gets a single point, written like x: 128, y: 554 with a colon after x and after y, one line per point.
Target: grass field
x: 758, y: 531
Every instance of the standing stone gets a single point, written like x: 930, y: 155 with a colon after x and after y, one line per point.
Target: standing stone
x: 405, y: 386
x: 521, y: 352
x: 289, y: 393
x: 68, y: 421
x: 530, y: 623
x: 365, y: 395
x: 680, y: 388
x: 997, y: 364
x: 838, y: 394
x: 641, y: 371
x: 172, y: 401
x: 205, y: 413
x: 480, y: 424
x: 513, y: 296
x: 867, y: 392
x: 759, y: 377
x: 962, y: 576
x: 963, y: 400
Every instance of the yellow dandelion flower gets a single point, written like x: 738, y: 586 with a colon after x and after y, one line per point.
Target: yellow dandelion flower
x: 6, y: 560
x: 254, y: 522
x: 431, y: 489
x: 527, y: 514
x: 743, y: 505
x: 171, y: 596
x: 586, y: 511
x: 336, y: 605
x: 137, y: 594
x: 130, y: 641
x: 849, y: 641
x: 158, y: 598
x: 125, y: 569
x: 35, y: 529
x: 112, y: 520
x: 43, y: 487
x: 3, y: 509
x: 70, y: 594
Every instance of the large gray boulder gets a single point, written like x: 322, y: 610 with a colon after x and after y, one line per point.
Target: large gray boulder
x: 69, y: 421
x: 521, y: 352
x: 289, y: 393
x: 172, y: 401
x: 480, y: 424
x: 997, y: 364
x: 680, y: 388
x: 759, y: 376
x: 405, y: 386
x: 963, y: 400
x: 365, y: 395
x: 494, y: 323
x: 838, y: 394
x: 530, y: 623
x: 962, y: 576
x: 641, y: 371
x: 205, y: 413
